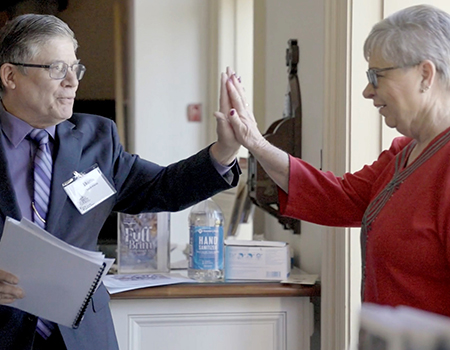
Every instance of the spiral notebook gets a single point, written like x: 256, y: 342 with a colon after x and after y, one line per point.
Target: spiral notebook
x: 58, y: 278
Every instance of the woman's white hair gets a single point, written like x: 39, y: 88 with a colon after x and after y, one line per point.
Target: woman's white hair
x: 411, y: 36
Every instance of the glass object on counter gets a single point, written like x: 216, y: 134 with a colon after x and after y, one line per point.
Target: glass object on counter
x: 143, y: 243
x: 206, y: 242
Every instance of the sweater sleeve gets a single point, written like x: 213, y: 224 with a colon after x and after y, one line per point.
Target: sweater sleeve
x: 322, y: 198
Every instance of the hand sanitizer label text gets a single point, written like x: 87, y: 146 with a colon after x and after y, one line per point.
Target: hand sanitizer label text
x: 206, y: 247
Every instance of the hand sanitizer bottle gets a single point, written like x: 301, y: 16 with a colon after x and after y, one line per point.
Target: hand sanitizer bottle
x: 206, y: 242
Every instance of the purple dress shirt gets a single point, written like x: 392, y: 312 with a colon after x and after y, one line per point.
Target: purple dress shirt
x: 20, y: 152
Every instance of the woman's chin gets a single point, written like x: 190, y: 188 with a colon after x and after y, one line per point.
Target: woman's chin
x: 390, y: 123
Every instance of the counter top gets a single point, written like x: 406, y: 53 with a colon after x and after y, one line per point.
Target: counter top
x: 221, y: 290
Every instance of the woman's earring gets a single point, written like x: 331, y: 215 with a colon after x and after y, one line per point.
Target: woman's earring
x: 422, y: 90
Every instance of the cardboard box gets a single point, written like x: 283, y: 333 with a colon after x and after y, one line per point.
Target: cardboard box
x: 256, y: 260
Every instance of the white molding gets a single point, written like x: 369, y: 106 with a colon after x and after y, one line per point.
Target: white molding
x: 264, y: 323
x: 272, y: 325
x: 335, y: 316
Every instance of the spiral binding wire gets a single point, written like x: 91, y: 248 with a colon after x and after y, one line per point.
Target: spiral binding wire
x: 93, y: 288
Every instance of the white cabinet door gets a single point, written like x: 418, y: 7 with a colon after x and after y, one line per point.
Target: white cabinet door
x: 214, y: 323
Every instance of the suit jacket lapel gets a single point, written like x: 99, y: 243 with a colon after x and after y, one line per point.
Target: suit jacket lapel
x: 68, y: 153
x: 8, y: 201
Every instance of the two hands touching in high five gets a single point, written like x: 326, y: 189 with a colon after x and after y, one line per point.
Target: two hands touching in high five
x: 236, y: 116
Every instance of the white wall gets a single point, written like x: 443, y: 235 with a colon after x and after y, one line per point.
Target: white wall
x: 302, y: 20
x: 169, y: 60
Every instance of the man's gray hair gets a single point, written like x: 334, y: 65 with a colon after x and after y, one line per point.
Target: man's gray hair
x: 22, y: 38
x: 411, y: 36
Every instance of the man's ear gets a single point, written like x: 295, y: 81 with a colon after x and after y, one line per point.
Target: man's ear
x: 8, y: 74
x: 428, y: 71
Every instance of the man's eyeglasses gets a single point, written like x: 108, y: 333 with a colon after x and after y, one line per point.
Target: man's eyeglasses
x: 57, y: 70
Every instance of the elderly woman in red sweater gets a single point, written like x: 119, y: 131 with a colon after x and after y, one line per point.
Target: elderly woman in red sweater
x: 402, y: 200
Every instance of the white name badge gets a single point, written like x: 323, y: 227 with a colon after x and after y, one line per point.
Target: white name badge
x: 89, y: 189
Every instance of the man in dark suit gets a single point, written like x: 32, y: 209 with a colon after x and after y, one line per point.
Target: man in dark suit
x: 40, y: 74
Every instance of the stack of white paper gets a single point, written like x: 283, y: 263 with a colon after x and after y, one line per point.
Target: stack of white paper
x: 122, y: 283
x: 58, y: 279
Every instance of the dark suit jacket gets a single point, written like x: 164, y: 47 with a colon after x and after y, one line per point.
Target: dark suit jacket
x: 141, y: 186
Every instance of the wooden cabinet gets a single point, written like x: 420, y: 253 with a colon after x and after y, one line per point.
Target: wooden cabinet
x: 263, y: 316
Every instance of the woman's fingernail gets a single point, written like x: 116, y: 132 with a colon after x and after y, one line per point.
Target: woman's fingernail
x: 240, y: 80
x: 232, y: 112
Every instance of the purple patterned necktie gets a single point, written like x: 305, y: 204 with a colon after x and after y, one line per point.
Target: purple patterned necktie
x: 42, y: 181
x: 42, y: 177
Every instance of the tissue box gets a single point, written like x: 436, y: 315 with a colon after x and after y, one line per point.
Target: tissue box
x: 256, y: 260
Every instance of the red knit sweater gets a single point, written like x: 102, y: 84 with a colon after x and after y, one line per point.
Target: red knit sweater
x: 408, y: 244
